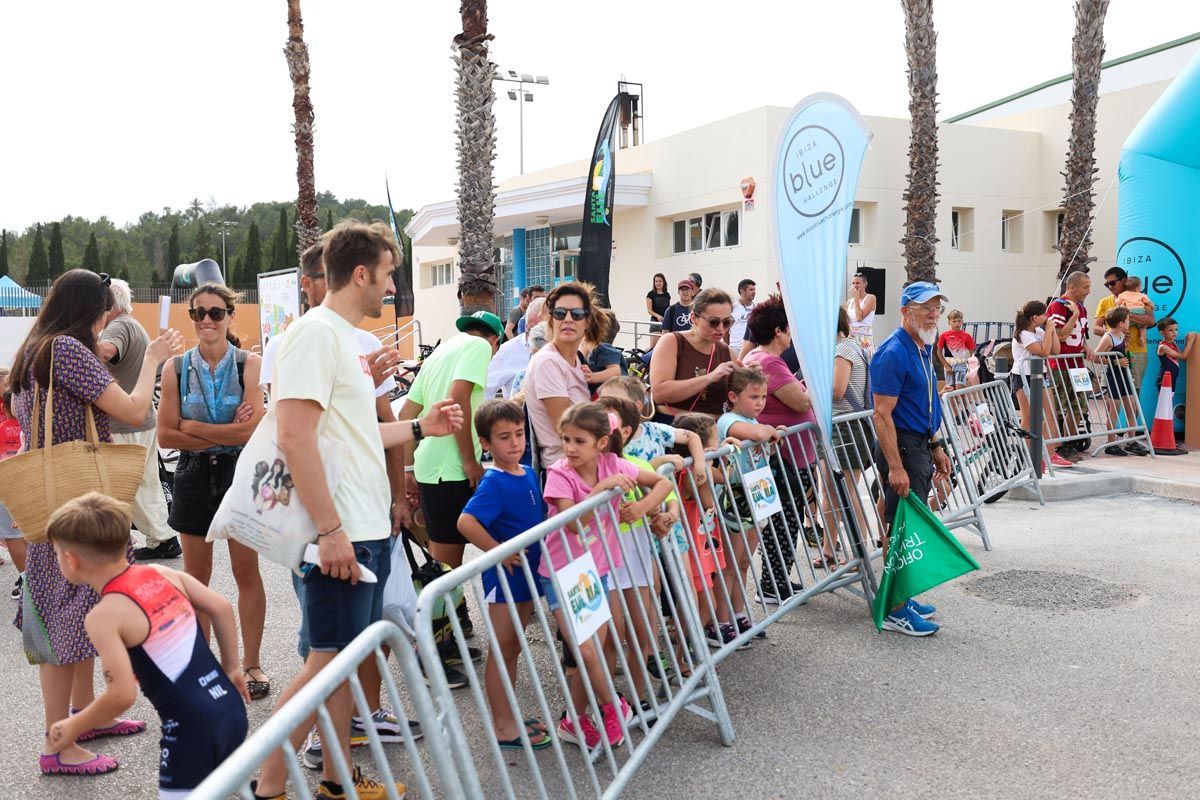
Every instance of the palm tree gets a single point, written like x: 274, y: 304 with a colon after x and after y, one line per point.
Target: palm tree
x: 308, y: 227
x: 477, y: 285
x: 1087, y: 53
x: 921, y: 196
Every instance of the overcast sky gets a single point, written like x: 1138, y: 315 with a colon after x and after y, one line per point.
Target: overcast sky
x: 120, y: 107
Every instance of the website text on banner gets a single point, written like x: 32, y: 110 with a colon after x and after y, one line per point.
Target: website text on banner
x: 815, y: 173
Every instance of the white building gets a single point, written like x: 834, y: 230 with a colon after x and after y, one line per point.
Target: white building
x: 679, y: 207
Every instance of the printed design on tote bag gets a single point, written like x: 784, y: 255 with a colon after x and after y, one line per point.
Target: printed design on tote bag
x: 272, y: 485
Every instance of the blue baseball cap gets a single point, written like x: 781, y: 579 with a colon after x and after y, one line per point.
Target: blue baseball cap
x: 920, y: 292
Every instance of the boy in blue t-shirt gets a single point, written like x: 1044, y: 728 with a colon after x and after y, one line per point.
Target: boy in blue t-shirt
x: 507, y: 502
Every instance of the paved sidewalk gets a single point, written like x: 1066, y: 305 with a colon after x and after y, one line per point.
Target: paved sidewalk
x: 1066, y: 669
x: 1175, y: 477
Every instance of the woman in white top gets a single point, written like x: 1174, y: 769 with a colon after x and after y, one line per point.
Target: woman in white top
x: 860, y: 308
x: 1033, y: 338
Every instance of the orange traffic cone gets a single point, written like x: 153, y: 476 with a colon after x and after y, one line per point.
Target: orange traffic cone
x: 1162, y: 433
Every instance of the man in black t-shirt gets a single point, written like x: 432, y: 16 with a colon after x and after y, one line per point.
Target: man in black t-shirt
x: 678, y: 316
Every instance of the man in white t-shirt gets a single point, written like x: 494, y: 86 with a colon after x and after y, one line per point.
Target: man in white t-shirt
x: 322, y: 382
x: 741, y: 312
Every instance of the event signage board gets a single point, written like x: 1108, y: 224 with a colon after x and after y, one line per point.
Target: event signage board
x: 595, y: 240
x: 278, y: 302
x: 813, y: 180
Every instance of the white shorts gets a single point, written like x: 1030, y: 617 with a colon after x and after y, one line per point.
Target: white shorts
x: 638, y: 567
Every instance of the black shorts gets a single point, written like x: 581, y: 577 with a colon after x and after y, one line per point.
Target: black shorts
x: 191, y: 749
x: 917, y: 458
x: 201, y: 480
x: 442, y: 503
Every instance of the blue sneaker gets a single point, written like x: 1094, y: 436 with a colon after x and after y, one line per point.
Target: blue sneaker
x: 906, y: 621
x: 922, y: 610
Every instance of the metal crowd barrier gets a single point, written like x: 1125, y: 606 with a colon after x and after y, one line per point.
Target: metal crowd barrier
x: 988, y: 449
x: 234, y: 775
x: 986, y: 331
x: 1086, y: 402
x: 637, y: 330
x: 654, y: 656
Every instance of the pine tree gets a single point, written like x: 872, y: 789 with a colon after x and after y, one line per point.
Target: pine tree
x: 329, y: 219
x: 111, y: 261
x: 123, y: 274
x: 91, y: 255
x: 204, y: 246
x: 253, y: 264
x: 39, y: 265
x: 279, y: 243
x: 58, y: 262
x: 174, y: 257
x: 3, y: 253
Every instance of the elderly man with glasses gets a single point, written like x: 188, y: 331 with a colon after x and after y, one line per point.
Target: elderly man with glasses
x: 908, y: 414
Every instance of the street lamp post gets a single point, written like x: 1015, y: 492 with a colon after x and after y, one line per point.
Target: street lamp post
x: 522, y: 96
x: 224, y: 226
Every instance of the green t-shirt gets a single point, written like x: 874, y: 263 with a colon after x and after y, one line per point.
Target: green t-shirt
x: 462, y: 358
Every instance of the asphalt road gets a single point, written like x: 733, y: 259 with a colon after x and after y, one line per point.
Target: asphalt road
x: 1065, y: 669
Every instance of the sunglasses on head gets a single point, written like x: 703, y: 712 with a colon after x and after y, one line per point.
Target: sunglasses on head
x: 105, y: 280
x: 1110, y: 284
x: 216, y: 314
x: 717, y: 322
x: 577, y: 314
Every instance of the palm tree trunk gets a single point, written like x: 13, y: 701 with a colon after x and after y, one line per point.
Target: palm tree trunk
x: 921, y: 196
x: 477, y: 287
x: 308, y: 227
x: 1087, y: 55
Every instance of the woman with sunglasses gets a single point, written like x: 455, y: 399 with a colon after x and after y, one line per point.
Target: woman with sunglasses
x: 51, y: 610
x: 690, y: 369
x: 557, y: 377
x: 198, y: 414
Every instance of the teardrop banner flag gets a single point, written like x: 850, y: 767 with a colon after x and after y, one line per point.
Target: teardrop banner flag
x: 922, y: 554
x: 595, y: 240
x: 403, y: 276
x: 815, y: 173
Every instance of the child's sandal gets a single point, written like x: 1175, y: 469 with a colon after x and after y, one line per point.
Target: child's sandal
x: 256, y: 688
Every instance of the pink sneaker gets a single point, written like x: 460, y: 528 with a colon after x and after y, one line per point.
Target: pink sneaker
x: 566, y: 731
x: 612, y: 726
x: 1058, y: 462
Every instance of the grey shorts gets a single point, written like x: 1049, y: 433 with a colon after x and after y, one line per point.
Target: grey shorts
x: 7, y: 531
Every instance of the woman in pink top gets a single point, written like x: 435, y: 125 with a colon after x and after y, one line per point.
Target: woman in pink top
x: 557, y: 376
x: 591, y: 465
x: 788, y: 402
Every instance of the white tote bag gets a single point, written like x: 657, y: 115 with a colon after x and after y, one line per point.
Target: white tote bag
x: 399, y: 594
x: 261, y: 509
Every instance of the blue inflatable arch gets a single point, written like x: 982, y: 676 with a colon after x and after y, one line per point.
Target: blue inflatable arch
x: 1158, y: 221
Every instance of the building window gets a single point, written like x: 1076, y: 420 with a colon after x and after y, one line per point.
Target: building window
x: 566, y: 237
x: 1054, y: 228
x: 955, y: 219
x: 962, y: 229
x: 1058, y: 227
x: 710, y: 231
x: 1004, y: 232
x: 441, y: 274
x: 856, y: 225
x: 1011, y: 234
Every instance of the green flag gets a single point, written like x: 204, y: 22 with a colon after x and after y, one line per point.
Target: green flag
x: 921, y: 554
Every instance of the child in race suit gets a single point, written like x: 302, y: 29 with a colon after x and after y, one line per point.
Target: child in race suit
x: 146, y: 632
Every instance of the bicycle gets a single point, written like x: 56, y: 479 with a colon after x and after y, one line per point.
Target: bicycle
x: 406, y: 376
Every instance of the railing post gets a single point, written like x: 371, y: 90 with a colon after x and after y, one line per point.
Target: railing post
x: 1036, y: 414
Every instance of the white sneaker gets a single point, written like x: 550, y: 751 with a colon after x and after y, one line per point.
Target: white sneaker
x: 386, y: 725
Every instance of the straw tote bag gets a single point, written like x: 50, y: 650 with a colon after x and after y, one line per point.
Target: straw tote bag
x: 34, y: 484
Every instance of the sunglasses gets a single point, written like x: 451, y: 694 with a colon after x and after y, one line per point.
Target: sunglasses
x: 717, y: 322
x: 1110, y: 284
x: 105, y: 280
x: 577, y: 314
x: 216, y: 314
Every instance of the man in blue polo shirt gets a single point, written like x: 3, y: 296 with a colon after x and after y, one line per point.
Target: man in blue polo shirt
x: 908, y: 414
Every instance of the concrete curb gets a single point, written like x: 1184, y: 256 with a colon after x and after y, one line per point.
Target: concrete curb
x: 1080, y: 484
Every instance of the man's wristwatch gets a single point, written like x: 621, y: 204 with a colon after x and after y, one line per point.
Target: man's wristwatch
x: 418, y: 434
x: 934, y: 444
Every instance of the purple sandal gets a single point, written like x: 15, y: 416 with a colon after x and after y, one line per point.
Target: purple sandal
x: 100, y: 765
x: 124, y: 727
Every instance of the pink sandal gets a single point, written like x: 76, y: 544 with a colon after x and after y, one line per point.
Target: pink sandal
x: 100, y: 765
x: 124, y: 727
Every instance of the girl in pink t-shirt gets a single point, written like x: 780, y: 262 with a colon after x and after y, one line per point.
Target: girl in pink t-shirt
x: 591, y: 465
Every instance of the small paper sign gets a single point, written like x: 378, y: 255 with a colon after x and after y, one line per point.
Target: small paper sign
x: 581, y: 593
x: 763, y: 494
x: 987, y: 423
x: 1081, y: 379
x: 164, y: 312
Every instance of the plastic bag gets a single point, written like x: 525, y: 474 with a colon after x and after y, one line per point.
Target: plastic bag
x: 399, y: 594
x: 262, y: 509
